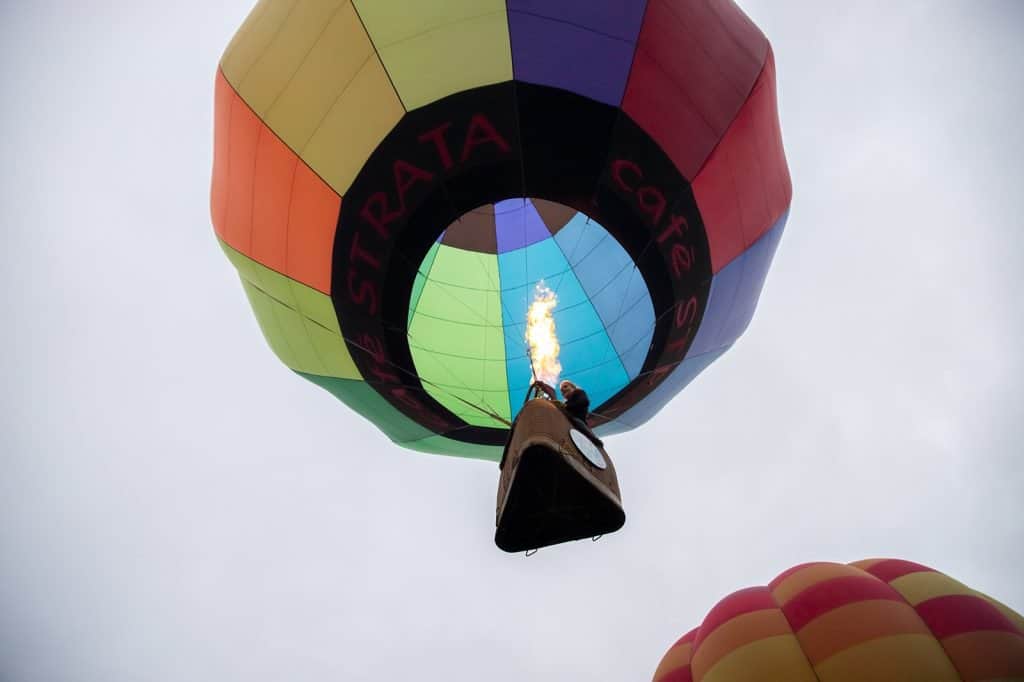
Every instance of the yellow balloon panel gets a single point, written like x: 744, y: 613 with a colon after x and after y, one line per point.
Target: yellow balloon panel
x: 360, y: 118
x: 298, y: 48
x: 735, y: 634
x: 432, y: 49
x: 254, y: 37
x: 774, y: 658
x: 901, y: 658
x: 919, y: 587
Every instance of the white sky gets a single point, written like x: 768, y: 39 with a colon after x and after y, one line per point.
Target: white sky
x: 176, y: 505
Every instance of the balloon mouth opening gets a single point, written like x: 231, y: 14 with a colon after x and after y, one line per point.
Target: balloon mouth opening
x: 525, y: 289
x: 424, y: 318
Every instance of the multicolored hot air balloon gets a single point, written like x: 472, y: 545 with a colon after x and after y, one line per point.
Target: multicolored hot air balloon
x: 870, y: 621
x: 393, y: 179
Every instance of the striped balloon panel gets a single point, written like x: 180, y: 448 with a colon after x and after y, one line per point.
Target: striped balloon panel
x: 879, y: 619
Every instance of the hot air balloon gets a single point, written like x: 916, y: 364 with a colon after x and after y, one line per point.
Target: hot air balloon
x: 869, y: 621
x: 393, y: 180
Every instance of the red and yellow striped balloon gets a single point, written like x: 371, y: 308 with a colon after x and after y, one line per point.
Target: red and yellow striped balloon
x: 870, y: 621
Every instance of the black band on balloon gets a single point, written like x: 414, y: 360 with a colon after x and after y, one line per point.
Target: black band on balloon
x: 483, y: 146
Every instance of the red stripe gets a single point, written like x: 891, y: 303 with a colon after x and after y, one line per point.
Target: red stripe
x: 736, y: 604
x: 678, y: 675
x: 890, y: 569
x: 956, y: 614
x: 831, y: 594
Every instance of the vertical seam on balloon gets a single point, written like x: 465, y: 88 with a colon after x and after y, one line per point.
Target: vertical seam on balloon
x: 256, y: 15
x: 288, y: 219
x: 501, y: 299
x: 373, y: 44
x: 306, y: 329
x: 227, y: 151
x: 441, y: 363
x: 305, y: 56
x: 312, y: 170
x: 725, y: 133
x: 256, y: 281
x: 487, y: 310
x: 763, y: 186
x: 334, y: 103
x: 618, y: 314
x: 729, y: 33
x: 440, y: 387
x: 632, y: 63
x: 700, y: 45
x: 739, y: 211
x: 294, y: 357
x: 522, y: 158
x: 273, y: 39
x: 496, y: 288
x: 593, y: 309
x: 734, y: 260
x: 252, y: 198
x: 426, y: 277
x: 921, y: 618
x: 782, y: 611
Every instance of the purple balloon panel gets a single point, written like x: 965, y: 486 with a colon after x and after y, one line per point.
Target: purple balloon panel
x: 567, y: 56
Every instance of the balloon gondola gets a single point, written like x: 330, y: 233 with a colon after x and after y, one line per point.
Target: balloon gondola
x: 557, y: 482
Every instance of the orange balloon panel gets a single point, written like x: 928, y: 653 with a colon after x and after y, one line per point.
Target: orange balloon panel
x: 878, y: 620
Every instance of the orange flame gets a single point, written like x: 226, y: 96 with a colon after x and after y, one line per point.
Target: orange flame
x: 541, y: 336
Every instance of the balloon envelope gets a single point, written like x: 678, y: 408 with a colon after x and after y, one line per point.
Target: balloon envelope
x: 878, y: 619
x: 392, y: 179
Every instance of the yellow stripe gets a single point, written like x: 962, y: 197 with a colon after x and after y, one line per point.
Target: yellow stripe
x: 856, y: 623
x: 736, y: 633
x: 774, y: 658
x: 900, y: 658
x: 919, y: 587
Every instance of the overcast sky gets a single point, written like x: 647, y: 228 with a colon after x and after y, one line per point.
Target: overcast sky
x: 175, y: 505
